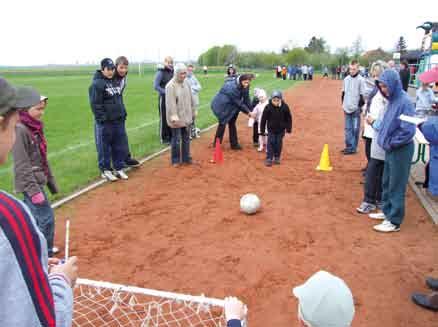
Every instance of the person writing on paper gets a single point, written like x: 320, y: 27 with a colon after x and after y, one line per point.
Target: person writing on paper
x: 425, y: 98
x: 396, y: 138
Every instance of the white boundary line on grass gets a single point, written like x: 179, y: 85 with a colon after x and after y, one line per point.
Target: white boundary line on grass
x: 94, y: 185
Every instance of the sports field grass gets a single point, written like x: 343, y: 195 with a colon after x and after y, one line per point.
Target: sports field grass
x: 69, y: 121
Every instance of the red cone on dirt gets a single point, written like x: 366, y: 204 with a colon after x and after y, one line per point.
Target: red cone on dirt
x: 218, y: 156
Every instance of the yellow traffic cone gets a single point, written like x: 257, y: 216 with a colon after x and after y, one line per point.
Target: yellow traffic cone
x: 324, y: 163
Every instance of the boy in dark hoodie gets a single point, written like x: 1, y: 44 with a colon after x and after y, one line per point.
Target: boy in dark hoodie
x: 109, y: 114
x: 278, y: 118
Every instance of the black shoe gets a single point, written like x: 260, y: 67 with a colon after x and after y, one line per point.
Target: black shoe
x: 429, y: 302
x: 432, y: 283
x: 255, y: 144
x: 133, y: 163
x: 268, y: 163
x: 348, y: 152
x: 276, y: 161
x: 236, y: 147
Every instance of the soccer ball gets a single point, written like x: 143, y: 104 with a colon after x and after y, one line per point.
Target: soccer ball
x: 249, y: 203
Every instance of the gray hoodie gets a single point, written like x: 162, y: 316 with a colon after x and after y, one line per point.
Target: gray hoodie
x: 179, y: 102
x: 18, y: 289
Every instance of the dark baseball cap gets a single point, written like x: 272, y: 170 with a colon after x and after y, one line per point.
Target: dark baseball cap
x: 8, y: 96
x: 277, y: 94
x: 107, y: 63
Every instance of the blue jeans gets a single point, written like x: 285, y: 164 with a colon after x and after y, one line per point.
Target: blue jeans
x: 352, y: 129
x: 45, y: 218
x: 275, y: 144
x: 180, y: 145
x: 100, y: 150
x: 111, y: 144
x: 395, y: 180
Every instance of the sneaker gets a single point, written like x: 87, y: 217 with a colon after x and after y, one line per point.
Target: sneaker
x: 366, y: 208
x: 108, y: 175
x: 133, y: 163
x: 386, y: 227
x: 236, y: 147
x: 276, y: 161
x: 268, y: 163
x: 121, y: 174
x: 260, y: 149
x: 55, y: 250
x: 349, y: 152
x: 377, y: 216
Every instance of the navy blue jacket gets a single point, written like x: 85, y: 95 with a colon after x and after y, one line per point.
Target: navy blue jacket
x: 394, y: 132
x: 278, y: 119
x: 231, y: 99
x: 106, y: 99
x: 163, y: 77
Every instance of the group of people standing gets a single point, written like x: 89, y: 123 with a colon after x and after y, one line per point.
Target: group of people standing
x: 295, y: 72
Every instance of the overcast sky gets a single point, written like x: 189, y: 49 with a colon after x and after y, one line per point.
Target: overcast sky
x: 64, y: 32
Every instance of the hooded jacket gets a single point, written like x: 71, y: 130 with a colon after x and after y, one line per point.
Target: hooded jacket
x: 179, y: 103
x: 163, y: 77
x: 277, y: 120
x: 230, y: 99
x: 105, y: 97
x: 430, y: 131
x: 393, y: 132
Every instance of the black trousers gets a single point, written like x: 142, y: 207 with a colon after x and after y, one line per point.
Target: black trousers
x: 255, y: 132
x: 373, y: 181
x: 220, y: 131
x: 367, y: 142
x: 164, y: 129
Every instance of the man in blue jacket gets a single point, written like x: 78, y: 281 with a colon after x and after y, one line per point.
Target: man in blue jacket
x: 232, y: 98
x: 395, y: 137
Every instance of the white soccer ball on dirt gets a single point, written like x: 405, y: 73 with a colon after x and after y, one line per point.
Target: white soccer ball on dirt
x: 249, y: 203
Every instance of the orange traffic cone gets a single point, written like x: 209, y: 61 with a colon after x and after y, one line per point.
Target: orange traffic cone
x: 324, y: 163
x: 218, y: 156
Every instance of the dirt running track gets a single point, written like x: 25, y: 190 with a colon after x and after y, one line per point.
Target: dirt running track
x: 181, y: 230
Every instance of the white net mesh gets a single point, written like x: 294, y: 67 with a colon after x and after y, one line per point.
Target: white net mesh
x: 105, y: 304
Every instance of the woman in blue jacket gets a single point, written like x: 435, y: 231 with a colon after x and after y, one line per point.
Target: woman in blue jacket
x: 232, y: 98
x: 395, y: 137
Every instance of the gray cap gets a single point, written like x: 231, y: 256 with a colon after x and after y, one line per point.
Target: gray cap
x: 325, y: 300
x: 27, y: 97
x: 277, y: 94
x: 7, y: 96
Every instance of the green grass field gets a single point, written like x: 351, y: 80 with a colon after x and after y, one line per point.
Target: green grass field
x: 69, y: 121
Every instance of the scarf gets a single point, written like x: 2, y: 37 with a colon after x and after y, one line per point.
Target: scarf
x: 36, y: 131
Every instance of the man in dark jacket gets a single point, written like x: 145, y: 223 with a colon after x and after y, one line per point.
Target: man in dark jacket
x: 405, y: 75
x: 109, y: 114
x: 278, y: 119
x: 395, y: 137
x: 163, y: 77
x: 232, y: 98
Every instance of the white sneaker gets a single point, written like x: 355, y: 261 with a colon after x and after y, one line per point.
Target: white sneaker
x: 108, y: 175
x: 386, y: 227
x: 121, y: 174
x: 377, y: 216
x: 55, y: 250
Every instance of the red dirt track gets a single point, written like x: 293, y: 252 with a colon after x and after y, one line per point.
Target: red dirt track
x: 180, y: 229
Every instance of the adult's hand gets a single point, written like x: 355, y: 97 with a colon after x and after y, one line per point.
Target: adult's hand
x: 174, y: 118
x: 69, y: 269
x: 234, y: 309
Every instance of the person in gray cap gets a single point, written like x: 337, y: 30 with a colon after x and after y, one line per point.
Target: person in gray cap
x: 32, y: 172
x: 180, y: 113
x: 324, y: 300
x: 33, y: 293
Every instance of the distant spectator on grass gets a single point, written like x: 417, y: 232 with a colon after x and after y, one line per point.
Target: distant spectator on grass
x: 121, y: 79
x: 196, y: 88
x: 284, y: 73
x: 299, y: 72
x: 231, y: 72
x: 164, y: 75
x: 405, y: 75
x: 33, y: 294
x: 324, y: 300
x: 352, y: 102
x: 181, y: 112
x: 32, y: 172
x: 310, y: 70
x: 305, y: 71
x: 396, y: 138
x: 205, y: 69
x: 109, y: 113
x: 232, y: 98
x: 325, y: 72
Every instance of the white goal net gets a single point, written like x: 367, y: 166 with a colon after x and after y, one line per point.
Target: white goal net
x: 99, y: 304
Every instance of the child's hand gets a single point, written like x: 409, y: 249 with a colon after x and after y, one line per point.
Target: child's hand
x: 38, y: 198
